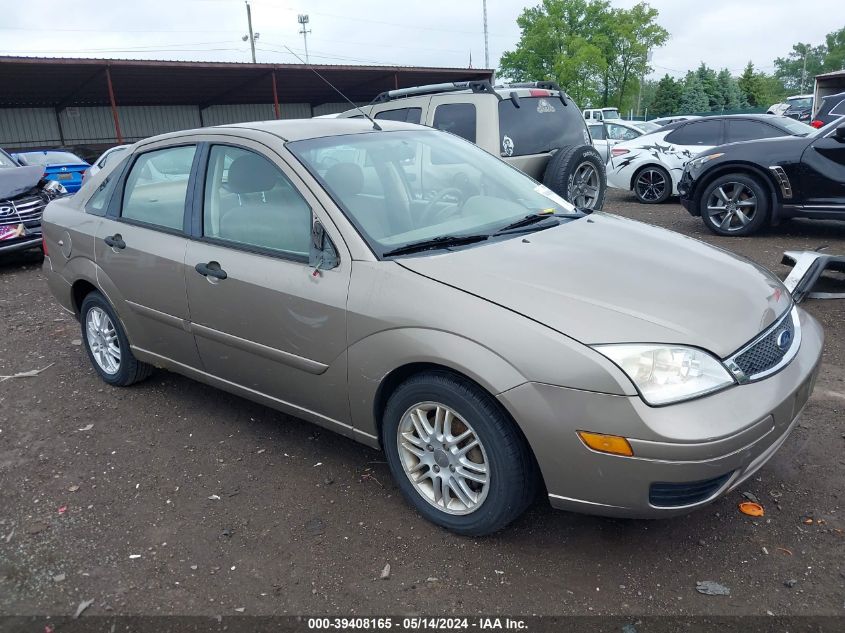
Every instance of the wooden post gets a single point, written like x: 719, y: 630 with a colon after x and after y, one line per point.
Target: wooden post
x: 114, y: 108
x: 275, y: 97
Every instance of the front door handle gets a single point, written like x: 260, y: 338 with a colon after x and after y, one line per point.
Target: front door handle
x: 211, y: 269
x: 115, y: 241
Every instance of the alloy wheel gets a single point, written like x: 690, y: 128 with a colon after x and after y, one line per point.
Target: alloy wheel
x: 732, y: 206
x: 586, y: 183
x: 102, y: 340
x: 651, y: 185
x: 443, y: 458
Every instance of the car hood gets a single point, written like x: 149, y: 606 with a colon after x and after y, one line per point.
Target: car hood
x: 17, y: 180
x: 605, y: 279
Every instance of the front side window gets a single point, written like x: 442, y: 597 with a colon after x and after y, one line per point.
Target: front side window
x: 457, y: 188
x: 156, y: 187
x: 249, y: 202
x: 457, y: 118
x: 698, y: 133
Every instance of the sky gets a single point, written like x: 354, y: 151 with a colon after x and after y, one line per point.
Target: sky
x: 722, y: 33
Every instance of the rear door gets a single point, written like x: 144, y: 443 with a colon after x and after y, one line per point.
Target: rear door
x: 262, y: 318
x: 823, y: 182
x: 750, y: 129
x: 140, y: 247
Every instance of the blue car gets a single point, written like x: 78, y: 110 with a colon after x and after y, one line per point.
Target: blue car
x: 63, y: 167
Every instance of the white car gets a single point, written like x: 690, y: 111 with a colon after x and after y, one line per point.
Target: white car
x: 118, y: 151
x: 668, y: 120
x: 651, y: 165
x: 601, y: 114
x: 606, y: 135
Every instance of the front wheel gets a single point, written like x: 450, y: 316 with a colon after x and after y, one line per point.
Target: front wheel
x: 652, y: 185
x: 734, y: 204
x: 455, y: 455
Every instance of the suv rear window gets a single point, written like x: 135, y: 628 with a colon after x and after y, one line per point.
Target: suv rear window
x: 539, y: 125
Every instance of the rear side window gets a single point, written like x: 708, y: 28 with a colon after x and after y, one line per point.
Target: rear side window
x: 620, y: 132
x: 539, y: 125
x: 698, y: 133
x: 98, y: 203
x: 747, y: 130
x: 597, y: 132
x: 839, y: 108
x: 457, y: 118
x: 406, y: 115
x: 156, y: 187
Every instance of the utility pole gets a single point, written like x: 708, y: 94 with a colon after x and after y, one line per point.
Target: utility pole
x: 251, y: 36
x: 486, y: 45
x: 302, y: 18
x: 804, y: 70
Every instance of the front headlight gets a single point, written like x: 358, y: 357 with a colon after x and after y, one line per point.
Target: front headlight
x: 668, y: 373
x: 54, y: 188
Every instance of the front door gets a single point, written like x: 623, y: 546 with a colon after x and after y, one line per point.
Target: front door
x: 140, y: 247
x: 262, y: 318
x: 824, y: 174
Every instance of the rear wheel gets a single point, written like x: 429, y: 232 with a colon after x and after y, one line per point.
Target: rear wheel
x: 735, y: 204
x: 107, y: 345
x: 652, y: 185
x: 578, y: 175
x: 455, y: 455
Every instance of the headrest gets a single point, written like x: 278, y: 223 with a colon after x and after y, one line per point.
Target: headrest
x: 251, y: 173
x: 347, y: 179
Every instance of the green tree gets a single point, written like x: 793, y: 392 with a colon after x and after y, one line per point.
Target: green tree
x: 707, y: 79
x: 835, y: 44
x: 693, y: 95
x: 759, y: 89
x: 667, y: 97
x: 797, y: 69
x: 731, y: 96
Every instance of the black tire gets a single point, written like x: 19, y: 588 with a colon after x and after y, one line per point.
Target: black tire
x: 130, y: 370
x: 751, y: 204
x: 512, y: 475
x: 566, y: 165
x: 646, y: 187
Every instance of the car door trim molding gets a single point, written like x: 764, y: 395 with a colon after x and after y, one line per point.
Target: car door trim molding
x: 161, y: 317
x: 277, y: 355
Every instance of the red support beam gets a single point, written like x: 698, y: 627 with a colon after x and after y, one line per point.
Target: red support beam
x: 114, y: 108
x: 275, y: 96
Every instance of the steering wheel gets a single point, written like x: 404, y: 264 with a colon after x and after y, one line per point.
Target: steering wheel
x: 430, y: 214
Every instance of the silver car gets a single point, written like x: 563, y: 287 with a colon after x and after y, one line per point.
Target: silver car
x: 407, y: 289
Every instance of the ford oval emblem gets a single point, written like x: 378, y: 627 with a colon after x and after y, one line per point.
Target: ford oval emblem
x: 783, y: 340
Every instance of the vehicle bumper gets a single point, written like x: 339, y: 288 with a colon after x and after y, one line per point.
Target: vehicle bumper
x: 24, y: 243
x: 721, y: 439
x: 618, y: 179
x: 686, y: 194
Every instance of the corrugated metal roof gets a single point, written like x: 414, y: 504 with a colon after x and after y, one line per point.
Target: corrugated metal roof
x: 61, y: 81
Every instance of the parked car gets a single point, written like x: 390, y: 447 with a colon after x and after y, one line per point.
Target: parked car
x: 738, y: 189
x: 668, y: 120
x: 778, y: 108
x: 113, y: 153
x: 534, y: 127
x: 651, y: 165
x: 800, y: 108
x: 831, y: 108
x: 444, y: 328
x: 23, y: 195
x: 607, y: 134
x: 63, y: 167
x: 601, y: 114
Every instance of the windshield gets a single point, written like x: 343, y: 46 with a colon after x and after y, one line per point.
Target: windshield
x: 538, y: 125
x: 6, y: 160
x: 645, y: 126
x: 800, y: 103
x: 404, y: 187
x: 795, y: 128
x: 51, y: 158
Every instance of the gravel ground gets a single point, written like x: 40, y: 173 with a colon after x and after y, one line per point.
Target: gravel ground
x: 174, y: 498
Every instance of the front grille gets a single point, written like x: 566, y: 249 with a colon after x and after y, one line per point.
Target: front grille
x: 27, y: 211
x: 766, y: 353
x: 674, y: 495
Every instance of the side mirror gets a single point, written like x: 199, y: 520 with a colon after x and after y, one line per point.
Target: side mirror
x: 322, y: 254
x: 839, y: 133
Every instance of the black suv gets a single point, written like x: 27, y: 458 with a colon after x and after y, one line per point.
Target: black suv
x: 832, y: 107
x: 739, y: 188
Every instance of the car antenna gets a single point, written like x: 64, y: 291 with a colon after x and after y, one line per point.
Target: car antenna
x: 333, y: 87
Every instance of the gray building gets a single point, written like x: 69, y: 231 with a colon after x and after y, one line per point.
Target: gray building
x: 61, y: 102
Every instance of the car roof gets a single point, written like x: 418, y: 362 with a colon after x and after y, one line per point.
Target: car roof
x: 838, y: 94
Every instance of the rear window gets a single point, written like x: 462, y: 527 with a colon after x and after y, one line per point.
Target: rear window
x: 52, y: 158
x: 539, y: 125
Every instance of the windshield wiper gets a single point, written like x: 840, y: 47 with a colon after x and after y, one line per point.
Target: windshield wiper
x: 534, y: 218
x: 442, y: 241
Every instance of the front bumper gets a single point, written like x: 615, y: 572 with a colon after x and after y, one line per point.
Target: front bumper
x: 685, y: 192
x: 723, y: 438
x: 31, y: 240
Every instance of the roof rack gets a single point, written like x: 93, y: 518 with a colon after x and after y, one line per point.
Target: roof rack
x: 475, y: 86
x: 542, y: 85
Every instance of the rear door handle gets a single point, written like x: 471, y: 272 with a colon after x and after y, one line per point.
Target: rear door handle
x: 211, y: 269
x: 115, y: 241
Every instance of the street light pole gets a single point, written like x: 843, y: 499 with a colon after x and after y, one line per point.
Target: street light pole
x: 251, y: 36
x: 302, y: 18
x: 486, y: 44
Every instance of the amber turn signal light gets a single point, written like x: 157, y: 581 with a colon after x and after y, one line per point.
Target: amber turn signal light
x: 606, y: 443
